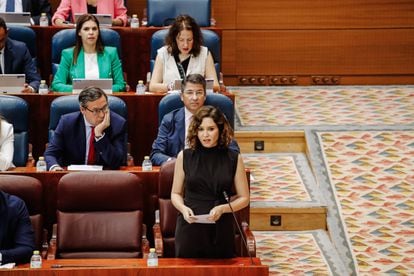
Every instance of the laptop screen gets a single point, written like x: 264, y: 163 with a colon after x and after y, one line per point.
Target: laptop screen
x: 12, y: 83
x: 104, y: 19
x: 80, y: 84
x: 17, y: 18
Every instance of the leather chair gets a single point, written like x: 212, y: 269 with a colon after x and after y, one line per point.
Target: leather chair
x: 67, y: 38
x: 173, y: 101
x: 16, y: 111
x: 26, y: 35
x: 164, y: 230
x: 99, y: 215
x: 210, y: 39
x: 163, y: 12
x: 29, y: 189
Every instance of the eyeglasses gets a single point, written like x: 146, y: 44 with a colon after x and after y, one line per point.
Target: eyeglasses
x: 96, y: 111
x: 190, y: 93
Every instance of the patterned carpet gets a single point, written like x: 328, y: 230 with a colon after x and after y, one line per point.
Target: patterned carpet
x: 361, y: 143
x: 282, y: 180
x: 370, y: 178
x: 279, y: 108
x: 298, y: 253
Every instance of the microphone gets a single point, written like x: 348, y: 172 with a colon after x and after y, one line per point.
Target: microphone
x: 226, y: 197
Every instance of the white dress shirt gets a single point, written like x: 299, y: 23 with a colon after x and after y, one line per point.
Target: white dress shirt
x: 6, y: 145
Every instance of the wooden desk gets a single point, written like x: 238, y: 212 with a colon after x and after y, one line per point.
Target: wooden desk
x: 135, y: 43
x: 167, y: 267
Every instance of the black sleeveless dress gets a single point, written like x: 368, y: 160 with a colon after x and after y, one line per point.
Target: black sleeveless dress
x: 208, y: 172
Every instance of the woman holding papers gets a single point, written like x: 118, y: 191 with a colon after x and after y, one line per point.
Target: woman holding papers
x: 204, y: 175
x: 89, y: 59
x: 71, y: 7
x: 182, y: 55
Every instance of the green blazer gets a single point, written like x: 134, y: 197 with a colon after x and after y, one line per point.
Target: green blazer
x: 109, y: 67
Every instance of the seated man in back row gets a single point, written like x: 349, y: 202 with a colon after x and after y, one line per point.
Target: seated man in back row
x: 172, y: 133
x: 93, y: 136
x: 17, y: 60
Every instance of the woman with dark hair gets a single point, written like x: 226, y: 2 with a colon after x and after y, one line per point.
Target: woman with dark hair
x: 89, y: 59
x: 202, y: 174
x: 183, y: 54
x: 6, y: 145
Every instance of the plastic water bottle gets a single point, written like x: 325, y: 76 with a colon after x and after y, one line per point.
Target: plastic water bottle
x: 140, y: 88
x: 134, y: 21
x: 43, y: 20
x: 146, y: 164
x: 41, y: 164
x: 43, y: 88
x: 36, y: 260
x: 152, y: 258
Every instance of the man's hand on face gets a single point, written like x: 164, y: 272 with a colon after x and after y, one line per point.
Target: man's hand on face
x: 99, y: 129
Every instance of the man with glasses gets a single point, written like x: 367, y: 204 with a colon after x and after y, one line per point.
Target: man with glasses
x: 93, y: 135
x: 172, y: 133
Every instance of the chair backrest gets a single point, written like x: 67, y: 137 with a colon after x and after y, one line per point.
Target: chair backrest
x: 210, y: 39
x: 173, y: 101
x: 67, y: 104
x: 99, y: 215
x: 26, y: 35
x: 67, y: 38
x: 29, y: 189
x: 163, y: 12
x: 16, y: 111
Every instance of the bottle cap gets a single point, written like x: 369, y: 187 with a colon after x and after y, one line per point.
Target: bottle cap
x: 146, y: 157
x: 36, y: 252
x: 152, y: 250
x: 141, y: 82
x: 43, y: 14
x: 43, y: 81
x: 134, y: 16
x: 41, y: 158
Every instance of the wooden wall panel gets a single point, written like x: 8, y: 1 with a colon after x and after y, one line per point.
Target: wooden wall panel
x: 321, y: 14
x: 224, y: 11
x: 319, y: 52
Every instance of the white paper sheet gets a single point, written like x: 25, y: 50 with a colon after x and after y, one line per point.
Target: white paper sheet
x: 85, y: 168
x: 203, y: 219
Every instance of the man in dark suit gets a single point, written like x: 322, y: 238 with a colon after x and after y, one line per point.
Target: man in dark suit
x: 15, y: 59
x: 16, y: 232
x: 93, y: 135
x: 172, y: 131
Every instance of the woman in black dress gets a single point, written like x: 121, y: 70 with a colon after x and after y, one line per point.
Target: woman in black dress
x: 202, y: 173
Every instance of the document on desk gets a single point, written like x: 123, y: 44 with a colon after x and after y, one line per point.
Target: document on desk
x: 85, y: 168
x: 203, y: 219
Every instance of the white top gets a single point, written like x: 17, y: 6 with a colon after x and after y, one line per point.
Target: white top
x: 18, y: 6
x: 6, y: 146
x: 91, y: 66
x: 2, y: 60
x: 197, y: 65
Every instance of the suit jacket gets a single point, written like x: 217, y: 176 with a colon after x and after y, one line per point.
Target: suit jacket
x: 16, y: 232
x: 109, y: 67
x: 36, y: 8
x: 18, y: 60
x: 68, y: 145
x: 170, y: 138
x: 69, y: 7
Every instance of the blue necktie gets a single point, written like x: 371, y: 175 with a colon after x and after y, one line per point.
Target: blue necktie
x: 10, y: 6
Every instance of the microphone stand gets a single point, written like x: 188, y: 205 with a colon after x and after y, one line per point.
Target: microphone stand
x: 226, y: 197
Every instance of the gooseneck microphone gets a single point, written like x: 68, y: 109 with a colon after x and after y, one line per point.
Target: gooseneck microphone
x: 226, y: 197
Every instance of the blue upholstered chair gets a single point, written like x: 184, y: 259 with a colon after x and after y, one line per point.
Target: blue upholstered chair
x: 16, y: 111
x: 173, y: 101
x: 67, y: 38
x: 163, y: 12
x: 210, y: 39
x: 67, y: 104
x: 26, y: 35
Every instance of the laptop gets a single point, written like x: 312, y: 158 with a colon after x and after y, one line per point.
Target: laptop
x: 12, y: 83
x: 17, y: 18
x: 80, y: 84
x: 105, y: 20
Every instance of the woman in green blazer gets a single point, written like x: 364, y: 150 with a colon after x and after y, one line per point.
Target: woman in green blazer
x: 88, y: 59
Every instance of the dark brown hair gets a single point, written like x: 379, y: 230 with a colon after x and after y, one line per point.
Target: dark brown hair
x: 184, y: 22
x: 78, y: 46
x: 208, y: 111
